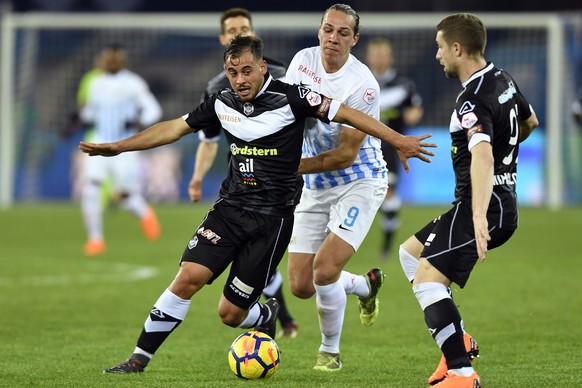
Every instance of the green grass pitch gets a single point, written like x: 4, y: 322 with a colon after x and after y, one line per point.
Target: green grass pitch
x: 66, y: 317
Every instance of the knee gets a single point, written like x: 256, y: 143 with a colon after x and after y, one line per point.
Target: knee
x: 302, y: 289
x: 229, y: 318
x: 229, y: 314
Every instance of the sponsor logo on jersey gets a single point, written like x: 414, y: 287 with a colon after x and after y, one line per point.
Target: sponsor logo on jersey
x: 468, y: 120
x: 247, y: 171
x: 303, y: 91
x: 248, y: 108
x: 192, y: 243
x: 230, y: 118
x: 314, y: 99
x: 505, y: 179
x: 252, y: 151
x: 209, y: 235
x: 429, y: 239
x: 310, y: 73
x: 507, y: 94
x: 370, y: 96
x: 466, y: 108
x: 240, y: 288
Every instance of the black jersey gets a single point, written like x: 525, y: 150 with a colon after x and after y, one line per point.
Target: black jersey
x: 220, y: 81
x: 265, y: 137
x: 396, y: 94
x: 489, y: 108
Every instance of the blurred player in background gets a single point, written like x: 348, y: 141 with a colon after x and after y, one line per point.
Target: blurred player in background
x: 233, y: 22
x: 118, y: 103
x: 400, y: 108
x: 490, y: 119
x: 345, y: 184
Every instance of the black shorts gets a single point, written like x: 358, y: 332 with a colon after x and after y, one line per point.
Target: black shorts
x: 449, y: 241
x: 254, y: 243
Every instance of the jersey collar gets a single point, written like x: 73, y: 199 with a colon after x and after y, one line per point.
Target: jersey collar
x: 479, y: 74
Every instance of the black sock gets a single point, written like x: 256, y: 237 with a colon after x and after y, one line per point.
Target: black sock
x: 156, y: 329
x: 444, y: 323
x: 283, y: 314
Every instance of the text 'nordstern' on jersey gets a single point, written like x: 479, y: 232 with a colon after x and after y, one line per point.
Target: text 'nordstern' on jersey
x: 252, y: 151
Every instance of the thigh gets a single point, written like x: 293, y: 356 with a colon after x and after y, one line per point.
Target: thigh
x: 257, y: 259
x: 96, y: 168
x: 127, y: 172
x: 309, y: 228
x: 354, y: 210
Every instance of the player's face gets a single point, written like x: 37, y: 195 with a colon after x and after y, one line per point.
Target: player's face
x: 379, y: 58
x: 446, y: 56
x: 336, y: 39
x: 234, y: 26
x: 113, y: 60
x: 246, y: 75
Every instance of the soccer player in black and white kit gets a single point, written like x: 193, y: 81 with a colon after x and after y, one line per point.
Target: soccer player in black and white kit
x: 235, y: 21
x: 400, y: 109
x: 490, y: 119
x: 249, y: 226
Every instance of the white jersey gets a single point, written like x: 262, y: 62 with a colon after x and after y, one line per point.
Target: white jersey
x: 355, y: 86
x: 118, y: 103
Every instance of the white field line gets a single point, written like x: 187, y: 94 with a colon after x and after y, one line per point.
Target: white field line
x: 100, y: 273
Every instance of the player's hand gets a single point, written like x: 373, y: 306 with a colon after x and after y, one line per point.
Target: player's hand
x: 481, y: 235
x: 195, y: 190
x: 103, y: 149
x: 414, y: 147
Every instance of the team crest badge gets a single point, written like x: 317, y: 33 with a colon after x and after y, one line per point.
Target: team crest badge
x: 248, y: 108
x: 192, y: 243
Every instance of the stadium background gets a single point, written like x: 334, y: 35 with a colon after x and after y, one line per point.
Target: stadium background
x: 178, y: 65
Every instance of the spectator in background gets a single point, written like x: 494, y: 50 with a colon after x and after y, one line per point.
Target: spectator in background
x: 400, y: 108
x: 118, y: 103
x: 236, y: 21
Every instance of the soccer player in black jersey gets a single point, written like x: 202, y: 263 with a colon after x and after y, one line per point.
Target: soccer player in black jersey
x: 400, y: 109
x: 235, y: 21
x: 249, y: 226
x: 490, y: 119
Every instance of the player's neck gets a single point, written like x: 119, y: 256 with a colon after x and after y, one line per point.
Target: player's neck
x: 472, y: 66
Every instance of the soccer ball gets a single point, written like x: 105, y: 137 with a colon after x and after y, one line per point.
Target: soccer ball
x: 253, y: 355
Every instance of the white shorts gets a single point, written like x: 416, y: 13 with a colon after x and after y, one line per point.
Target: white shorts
x: 346, y: 210
x: 125, y: 171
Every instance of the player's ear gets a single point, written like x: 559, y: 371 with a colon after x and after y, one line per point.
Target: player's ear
x: 263, y: 67
x: 222, y: 39
x: 356, y: 39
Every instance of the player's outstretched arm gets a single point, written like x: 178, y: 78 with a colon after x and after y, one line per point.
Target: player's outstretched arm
x: 157, y: 135
x: 407, y: 146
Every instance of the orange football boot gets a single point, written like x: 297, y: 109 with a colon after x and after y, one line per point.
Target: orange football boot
x: 150, y: 225
x: 452, y: 380
x: 441, y: 371
x: 95, y: 247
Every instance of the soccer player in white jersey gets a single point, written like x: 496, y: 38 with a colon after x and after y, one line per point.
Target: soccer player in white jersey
x: 337, y: 207
x: 119, y: 102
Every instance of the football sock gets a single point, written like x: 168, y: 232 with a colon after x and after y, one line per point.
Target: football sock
x: 354, y: 284
x: 444, y: 322
x: 136, y: 204
x: 408, y: 263
x: 331, y: 304
x: 168, y: 312
x: 92, y: 209
x: 390, y: 221
x: 254, y: 317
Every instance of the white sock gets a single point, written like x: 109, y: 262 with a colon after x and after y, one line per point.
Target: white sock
x: 331, y: 304
x: 354, y: 284
x: 465, y: 371
x: 252, y: 318
x: 92, y: 210
x: 136, y: 205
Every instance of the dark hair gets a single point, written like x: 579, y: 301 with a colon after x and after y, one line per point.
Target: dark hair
x: 234, y: 12
x: 466, y: 29
x: 347, y: 10
x: 240, y: 44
